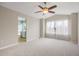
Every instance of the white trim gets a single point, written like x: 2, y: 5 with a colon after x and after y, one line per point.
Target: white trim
x: 7, y: 46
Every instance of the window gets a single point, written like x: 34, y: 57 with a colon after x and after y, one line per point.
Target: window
x: 62, y: 27
x: 59, y: 27
x: 50, y: 27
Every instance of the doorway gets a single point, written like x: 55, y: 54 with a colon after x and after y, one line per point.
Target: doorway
x: 21, y: 29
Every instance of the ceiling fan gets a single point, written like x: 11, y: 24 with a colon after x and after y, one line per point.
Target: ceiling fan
x: 45, y: 9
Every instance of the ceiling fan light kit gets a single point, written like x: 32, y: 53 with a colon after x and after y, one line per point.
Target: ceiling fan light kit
x: 45, y: 9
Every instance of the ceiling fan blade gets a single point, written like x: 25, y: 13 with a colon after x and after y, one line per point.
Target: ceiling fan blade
x: 38, y: 11
x: 52, y: 7
x: 51, y: 11
x: 40, y: 6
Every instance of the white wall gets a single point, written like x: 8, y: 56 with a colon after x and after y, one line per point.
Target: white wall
x: 57, y: 17
x: 74, y: 27
x: 33, y: 28
x: 42, y: 28
x: 9, y: 27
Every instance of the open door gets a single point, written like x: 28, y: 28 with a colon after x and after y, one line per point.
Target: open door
x: 21, y: 29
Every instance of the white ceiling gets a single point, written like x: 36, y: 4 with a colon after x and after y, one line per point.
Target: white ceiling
x: 29, y: 8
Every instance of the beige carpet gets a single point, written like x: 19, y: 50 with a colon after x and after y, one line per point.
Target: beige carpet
x: 42, y: 47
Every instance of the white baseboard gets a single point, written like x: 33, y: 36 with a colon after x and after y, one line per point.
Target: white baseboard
x: 7, y: 46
